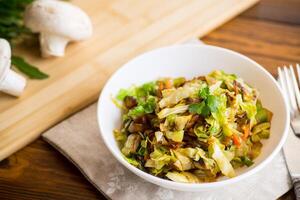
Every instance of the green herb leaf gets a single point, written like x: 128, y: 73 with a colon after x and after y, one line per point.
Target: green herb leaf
x: 11, y: 19
x: 12, y: 29
x: 28, y: 69
x: 204, y: 92
x: 212, y: 103
x: 205, y: 111
x: 196, y: 107
x: 199, y: 108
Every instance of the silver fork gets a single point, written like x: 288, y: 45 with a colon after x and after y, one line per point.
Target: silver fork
x: 287, y: 80
x: 291, y: 148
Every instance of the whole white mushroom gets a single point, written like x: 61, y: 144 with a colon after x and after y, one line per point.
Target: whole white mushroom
x: 10, y: 82
x: 58, y: 24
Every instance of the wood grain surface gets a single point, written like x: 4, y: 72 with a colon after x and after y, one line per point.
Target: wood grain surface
x: 122, y: 29
x: 268, y: 33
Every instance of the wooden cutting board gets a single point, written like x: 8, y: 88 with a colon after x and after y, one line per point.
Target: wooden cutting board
x: 122, y: 30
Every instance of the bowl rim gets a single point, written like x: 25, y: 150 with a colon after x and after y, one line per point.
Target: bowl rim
x: 205, y: 185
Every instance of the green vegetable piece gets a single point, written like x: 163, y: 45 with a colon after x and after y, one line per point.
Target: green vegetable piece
x: 201, y: 132
x: 174, y: 96
x: 176, y: 136
x: 182, y: 177
x: 258, y: 105
x: 171, y: 120
x: 177, y: 82
x: 183, y: 162
x: 144, y: 143
x: 177, y: 177
x: 255, y: 150
x: 181, y: 121
x: 263, y: 114
x: 120, y: 136
x: 141, y: 151
x: 146, y: 89
x: 215, y: 127
x: 28, y: 69
x: 218, y: 155
x: 131, y: 144
x: 131, y: 161
x: 255, y: 138
x: 236, y: 162
x: 149, y: 105
x: 203, y: 92
x: 136, y: 111
x: 122, y: 94
x: 159, y: 158
x: 265, y: 134
x: 143, y: 148
x: 175, y: 110
x: 143, y: 107
x: 260, y: 127
x: 227, y: 130
x: 247, y: 161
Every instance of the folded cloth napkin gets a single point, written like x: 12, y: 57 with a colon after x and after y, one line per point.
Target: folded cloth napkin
x: 78, y: 139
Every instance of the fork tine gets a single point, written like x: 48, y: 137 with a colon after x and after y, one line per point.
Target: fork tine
x: 298, y: 70
x: 290, y: 90
x: 295, y: 86
x: 283, y: 85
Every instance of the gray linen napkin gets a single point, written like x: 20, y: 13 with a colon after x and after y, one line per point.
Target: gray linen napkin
x: 78, y: 139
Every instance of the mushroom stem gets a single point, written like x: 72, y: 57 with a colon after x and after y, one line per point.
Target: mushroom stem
x: 10, y: 82
x: 13, y: 83
x: 53, y: 45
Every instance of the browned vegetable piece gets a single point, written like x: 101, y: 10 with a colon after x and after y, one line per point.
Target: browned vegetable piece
x: 202, y: 78
x: 192, y: 100
x: 161, y: 87
x: 190, y: 141
x: 236, y: 87
x: 130, y: 102
x: 141, y: 120
x: 131, y: 144
x: 136, y: 127
x: 192, y: 122
x: 255, y: 150
x: 174, y: 145
x: 191, y: 132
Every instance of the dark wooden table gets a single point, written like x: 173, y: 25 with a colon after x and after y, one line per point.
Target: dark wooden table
x: 268, y: 33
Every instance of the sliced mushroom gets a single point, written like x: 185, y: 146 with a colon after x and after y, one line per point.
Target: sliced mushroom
x: 10, y: 82
x: 136, y: 127
x: 58, y: 24
x: 131, y: 144
x: 130, y: 102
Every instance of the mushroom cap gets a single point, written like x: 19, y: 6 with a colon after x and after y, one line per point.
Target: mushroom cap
x: 58, y: 18
x: 5, y: 54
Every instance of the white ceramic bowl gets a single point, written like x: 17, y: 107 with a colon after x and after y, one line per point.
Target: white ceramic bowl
x: 190, y: 61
